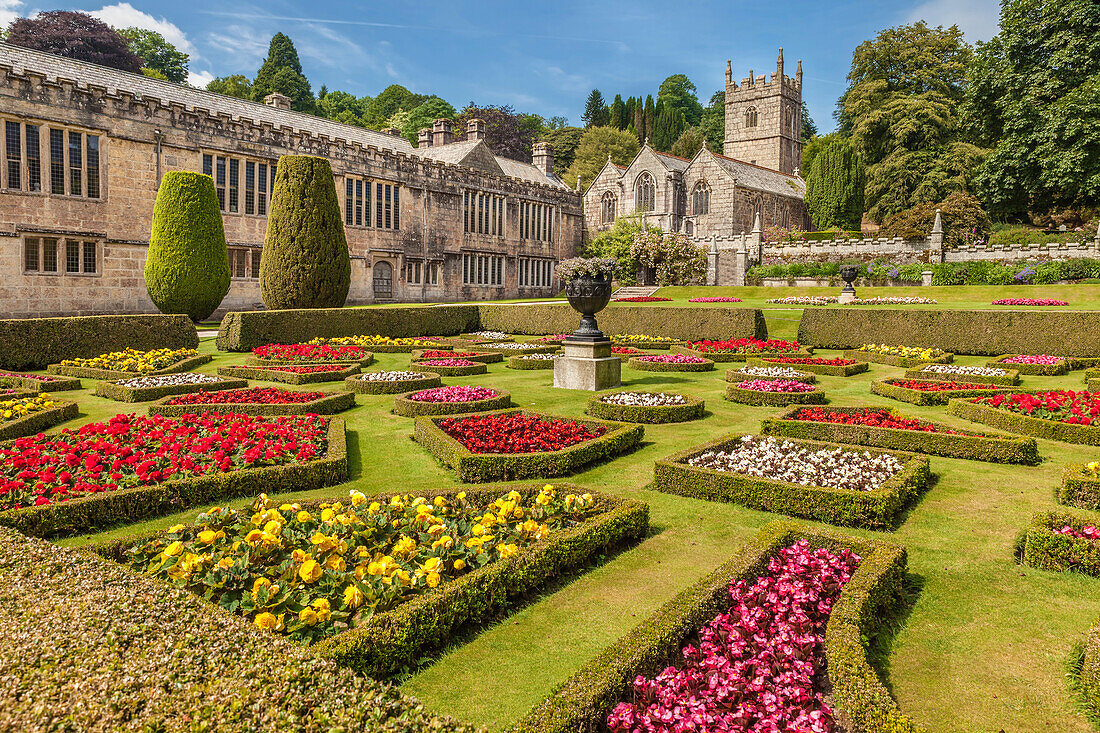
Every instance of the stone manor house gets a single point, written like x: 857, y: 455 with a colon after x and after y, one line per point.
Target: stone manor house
x: 84, y: 148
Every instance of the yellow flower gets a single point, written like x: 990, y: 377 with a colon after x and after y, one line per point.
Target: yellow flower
x: 404, y: 546
x: 308, y: 616
x: 310, y: 571
x: 374, y: 507
x: 460, y: 564
x: 175, y: 529
x: 225, y: 563
x: 304, y: 516
x: 477, y: 530
x: 207, y: 536
x: 445, y: 542
x: 353, y: 597
x: 335, y: 562
x: 301, y: 556
x: 174, y: 549
x: 358, y: 498
x: 273, y: 527
x: 268, y: 621
x: 254, y: 537
x: 327, y: 515
x: 507, y: 550
x: 433, y: 579
x: 432, y: 564
x: 260, y: 583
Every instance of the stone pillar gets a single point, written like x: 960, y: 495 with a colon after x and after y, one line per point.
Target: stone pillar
x: 935, y: 239
x: 712, y: 263
x: 587, y: 365
x: 442, y: 132
x: 424, y: 138
x: 926, y: 278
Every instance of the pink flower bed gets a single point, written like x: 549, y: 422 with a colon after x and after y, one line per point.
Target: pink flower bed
x: 714, y: 300
x: 1087, y: 533
x: 776, y: 385
x: 1028, y: 301
x: 755, y: 667
x: 453, y: 394
x: 673, y: 358
x: 448, y: 362
x: 1033, y: 359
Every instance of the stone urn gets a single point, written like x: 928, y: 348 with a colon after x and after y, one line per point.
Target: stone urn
x: 848, y: 273
x: 588, y: 296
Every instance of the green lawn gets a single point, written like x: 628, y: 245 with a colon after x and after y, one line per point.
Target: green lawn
x: 983, y: 648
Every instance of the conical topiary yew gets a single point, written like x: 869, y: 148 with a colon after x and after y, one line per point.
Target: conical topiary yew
x: 305, y: 261
x: 187, y: 267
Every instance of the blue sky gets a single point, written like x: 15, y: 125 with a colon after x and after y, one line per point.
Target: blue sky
x: 537, y: 57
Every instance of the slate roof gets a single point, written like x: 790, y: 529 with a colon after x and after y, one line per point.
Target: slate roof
x: 762, y: 179
x: 674, y: 162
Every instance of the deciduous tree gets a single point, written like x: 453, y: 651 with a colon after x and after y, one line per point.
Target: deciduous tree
x: 75, y: 36
x: 157, y: 53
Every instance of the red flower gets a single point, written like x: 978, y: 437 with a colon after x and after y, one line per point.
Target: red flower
x: 517, y: 433
x: 250, y: 396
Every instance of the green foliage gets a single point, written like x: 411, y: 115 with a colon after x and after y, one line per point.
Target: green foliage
x: 305, y: 261
x: 281, y: 73
x: 236, y: 85
x: 342, y: 107
x: 813, y: 147
x: 650, y: 118
x: 1079, y: 488
x: 389, y: 102
x: 679, y: 93
x: 37, y: 422
x: 187, y: 265
x: 707, y: 365
x: 406, y: 407
x: 676, y: 259
x: 639, y: 121
x: 713, y: 122
x: 808, y: 128
x: 964, y: 221
x: 1046, y: 549
x: 35, y: 343
x: 773, y: 399
x: 593, y: 150
x: 834, y: 187
x: 424, y: 115
x: 596, y: 113
x: 1025, y: 425
x: 927, y: 398
x: 330, y: 404
x: 340, y: 372
x: 565, y: 141
x: 689, y: 143
x: 157, y: 53
x: 617, y: 118
x: 616, y: 244
x: 670, y: 123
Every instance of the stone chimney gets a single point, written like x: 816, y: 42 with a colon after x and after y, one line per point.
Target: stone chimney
x: 424, y: 138
x: 475, y: 129
x: 391, y: 131
x: 442, y: 132
x: 542, y: 155
x: 278, y: 101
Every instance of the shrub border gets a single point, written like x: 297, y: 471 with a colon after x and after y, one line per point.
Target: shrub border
x: 1043, y: 370
x: 725, y: 357
x: 450, y: 371
x: 1002, y: 448
x: 331, y: 403
x: 272, y: 374
x: 485, y: 357
x: 1088, y: 676
x: 484, y: 467
x: 894, y: 359
x: 828, y: 370
x: 1044, y: 549
x: 925, y: 399
x: 878, y: 509
x: 184, y: 365
x: 36, y: 422
x: 362, y: 386
x: 406, y: 407
x: 658, y: 366
x: 583, y: 701
x: 89, y: 513
x: 693, y: 409
x: 59, y: 384
x: 520, y: 361
x: 121, y: 393
x: 734, y: 376
x: 774, y: 399
x: 1012, y: 379
x: 1079, y: 489
x: 1023, y: 424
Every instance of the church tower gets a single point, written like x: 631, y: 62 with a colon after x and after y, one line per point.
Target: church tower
x: 764, y: 119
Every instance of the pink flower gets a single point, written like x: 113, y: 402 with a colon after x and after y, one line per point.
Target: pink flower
x: 453, y: 394
x: 776, y: 385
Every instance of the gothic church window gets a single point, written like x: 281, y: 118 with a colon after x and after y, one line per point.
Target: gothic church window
x: 751, y: 117
x: 700, y: 198
x: 645, y: 193
x: 607, y: 208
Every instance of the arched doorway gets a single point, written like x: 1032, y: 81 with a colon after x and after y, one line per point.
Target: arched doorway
x: 383, y: 281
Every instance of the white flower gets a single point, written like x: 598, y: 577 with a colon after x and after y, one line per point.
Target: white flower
x: 169, y: 380
x: 644, y: 399
x: 392, y: 376
x: 968, y: 370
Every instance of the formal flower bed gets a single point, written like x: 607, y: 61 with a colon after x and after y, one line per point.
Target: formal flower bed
x: 255, y: 401
x: 813, y: 479
x: 740, y: 349
x: 836, y: 367
x: 485, y: 357
x: 526, y: 348
x: 39, y: 382
x: 142, y: 389
x: 1065, y: 415
x: 642, y: 341
x: 1088, y: 532
x: 1063, y: 540
x: 626, y: 351
x: 671, y: 363
x: 933, y: 392
x: 310, y: 374
x: 23, y: 406
x: 1028, y: 301
x: 28, y: 414
x: 251, y: 396
x: 883, y: 428
x: 1081, y: 485
x: 131, y: 450
x: 714, y: 300
x: 748, y: 373
x: 645, y: 407
x: 554, y: 337
x: 532, y: 361
x: 450, y: 400
x: 903, y: 356
x: 130, y: 362
x: 450, y: 367
x: 805, y: 300
x: 312, y: 572
x: 519, y: 443
x: 775, y: 677
x: 383, y: 344
x: 278, y: 354
x: 833, y: 300
x: 391, y: 381
x: 959, y: 373
x: 1035, y: 364
x: 643, y: 299
x: 487, y: 336
x: 774, y: 392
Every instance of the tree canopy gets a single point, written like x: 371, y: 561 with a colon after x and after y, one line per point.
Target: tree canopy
x: 593, y: 150
x: 157, y: 53
x: 595, y: 110
x: 565, y: 141
x: 281, y: 73
x: 425, y: 115
x: 235, y: 85
x: 679, y: 93
x: 75, y: 36
x: 508, y: 133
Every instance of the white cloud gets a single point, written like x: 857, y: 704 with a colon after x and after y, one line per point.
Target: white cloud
x: 199, y: 78
x: 978, y: 19
x: 245, y: 47
x: 125, y: 15
x: 9, y: 11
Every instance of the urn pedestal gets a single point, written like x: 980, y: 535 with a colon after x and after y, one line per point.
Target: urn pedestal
x: 586, y: 361
x: 848, y: 274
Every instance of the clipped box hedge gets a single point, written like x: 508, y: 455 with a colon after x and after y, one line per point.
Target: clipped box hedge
x: 920, y: 397
x: 1093, y: 385
x: 894, y: 359
x: 1088, y: 677
x: 1045, y: 549
x: 35, y: 343
x: 995, y: 448
x: 979, y: 332
x: 687, y: 324
x: 331, y: 403
x: 274, y: 374
x: 485, y: 357
x: 449, y: 371
x: 97, y: 511
x: 184, y: 365
x: 1008, y: 380
x: 363, y: 386
x: 635, y: 362
x: 1023, y: 424
x: 36, y: 422
x: 692, y: 409
x: 122, y: 393
x: 384, y: 644
x: 758, y: 398
x: 731, y: 356
x: 481, y: 467
x: 244, y: 331
x: 1079, y: 489
x: 406, y: 407
x: 828, y: 370
x: 739, y: 375
x: 878, y: 509
x: 522, y: 362
x: 863, y: 611
x: 1091, y: 375
x: 56, y: 383
x: 1042, y: 370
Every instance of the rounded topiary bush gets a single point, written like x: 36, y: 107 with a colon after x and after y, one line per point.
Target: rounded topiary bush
x: 187, y: 265
x: 305, y: 261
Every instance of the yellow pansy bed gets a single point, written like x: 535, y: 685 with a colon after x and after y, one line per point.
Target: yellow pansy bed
x: 28, y: 415
x: 901, y: 356
x: 642, y: 341
x: 375, y: 583
x: 383, y: 344
x: 130, y: 363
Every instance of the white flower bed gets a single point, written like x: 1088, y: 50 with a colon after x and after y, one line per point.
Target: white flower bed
x: 169, y: 380
x: 391, y: 376
x: 973, y: 371
x: 489, y: 334
x: 644, y: 399
x: 759, y: 371
x: 794, y: 463
x: 539, y: 356
x: 512, y: 345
